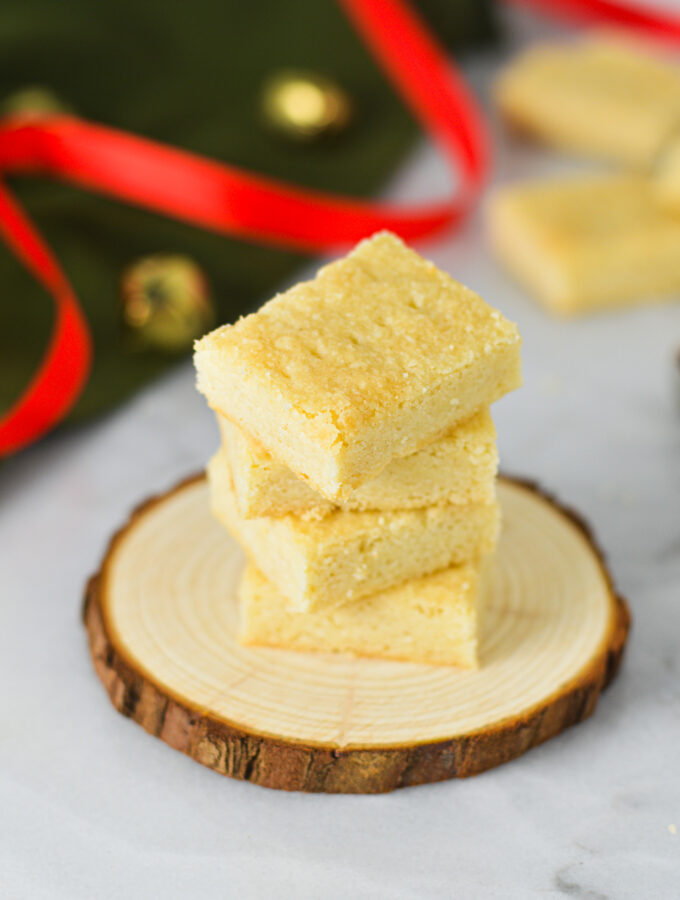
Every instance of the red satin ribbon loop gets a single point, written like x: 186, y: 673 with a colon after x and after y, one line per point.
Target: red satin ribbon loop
x: 66, y: 363
x: 224, y: 198
x: 232, y: 201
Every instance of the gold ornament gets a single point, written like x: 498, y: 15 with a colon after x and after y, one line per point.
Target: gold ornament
x: 166, y: 303
x: 34, y: 102
x: 304, y: 106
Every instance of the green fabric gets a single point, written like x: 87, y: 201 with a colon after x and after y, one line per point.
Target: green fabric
x: 188, y: 74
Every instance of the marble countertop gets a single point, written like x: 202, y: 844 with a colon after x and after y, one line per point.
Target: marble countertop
x: 91, y: 806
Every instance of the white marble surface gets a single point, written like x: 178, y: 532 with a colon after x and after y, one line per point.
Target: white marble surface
x: 92, y: 807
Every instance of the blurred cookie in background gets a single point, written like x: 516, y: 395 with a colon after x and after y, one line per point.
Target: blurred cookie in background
x: 587, y: 242
x: 606, y: 96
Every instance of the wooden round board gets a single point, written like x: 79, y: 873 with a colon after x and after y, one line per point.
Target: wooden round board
x: 162, y: 617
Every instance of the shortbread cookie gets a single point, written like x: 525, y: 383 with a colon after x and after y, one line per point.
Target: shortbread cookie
x: 346, y: 555
x: 605, y: 96
x: 459, y: 468
x: 434, y: 619
x: 379, y: 355
x: 586, y: 243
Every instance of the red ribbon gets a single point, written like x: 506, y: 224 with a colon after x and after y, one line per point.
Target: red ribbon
x: 65, y: 366
x: 232, y: 201
x: 224, y: 198
x: 655, y: 23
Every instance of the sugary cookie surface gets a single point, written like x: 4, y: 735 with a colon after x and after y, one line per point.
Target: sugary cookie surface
x: 371, y: 330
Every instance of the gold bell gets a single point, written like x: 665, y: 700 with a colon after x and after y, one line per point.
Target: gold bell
x: 165, y: 303
x: 304, y: 106
x: 34, y: 102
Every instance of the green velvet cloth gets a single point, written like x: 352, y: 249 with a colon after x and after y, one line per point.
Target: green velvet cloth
x: 188, y: 74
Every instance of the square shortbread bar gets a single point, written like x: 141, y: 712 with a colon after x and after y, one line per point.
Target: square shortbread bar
x: 376, y: 357
x: 432, y: 620
x: 587, y: 242
x: 459, y: 468
x: 324, y: 563
x: 605, y: 96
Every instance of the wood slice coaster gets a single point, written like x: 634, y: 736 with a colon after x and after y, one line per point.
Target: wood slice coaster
x: 162, y: 617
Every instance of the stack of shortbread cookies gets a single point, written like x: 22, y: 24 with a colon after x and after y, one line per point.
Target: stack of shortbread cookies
x: 358, y: 458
